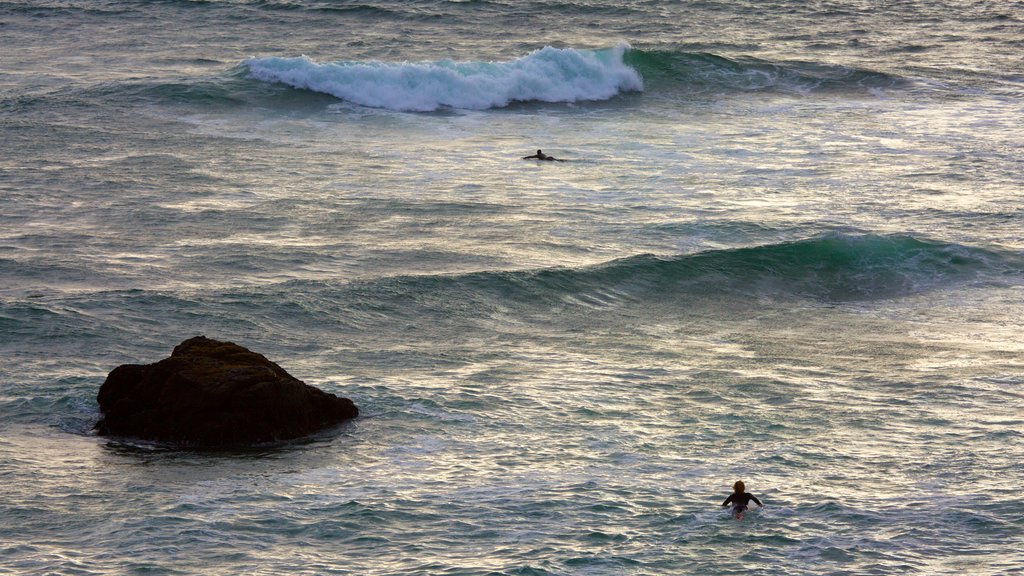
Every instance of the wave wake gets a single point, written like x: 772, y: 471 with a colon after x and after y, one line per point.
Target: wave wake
x: 545, y: 75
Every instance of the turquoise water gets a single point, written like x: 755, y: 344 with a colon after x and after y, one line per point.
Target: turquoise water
x: 786, y: 249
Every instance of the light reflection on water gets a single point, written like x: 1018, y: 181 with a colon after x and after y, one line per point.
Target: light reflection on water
x: 596, y: 455
x: 538, y: 393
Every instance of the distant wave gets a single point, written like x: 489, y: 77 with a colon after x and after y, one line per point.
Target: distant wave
x: 702, y: 71
x: 545, y: 75
x: 557, y: 75
x: 367, y: 9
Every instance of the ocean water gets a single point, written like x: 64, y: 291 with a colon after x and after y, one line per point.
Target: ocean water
x: 786, y: 248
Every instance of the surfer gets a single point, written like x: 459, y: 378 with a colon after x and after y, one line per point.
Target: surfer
x: 739, y: 499
x: 542, y: 156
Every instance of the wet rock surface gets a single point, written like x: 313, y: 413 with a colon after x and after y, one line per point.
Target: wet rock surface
x: 210, y: 393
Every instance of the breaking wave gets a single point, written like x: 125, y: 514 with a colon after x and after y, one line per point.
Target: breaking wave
x: 545, y: 75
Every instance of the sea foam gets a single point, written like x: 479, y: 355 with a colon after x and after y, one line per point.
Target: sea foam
x: 545, y: 75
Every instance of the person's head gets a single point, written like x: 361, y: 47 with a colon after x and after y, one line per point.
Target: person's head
x: 539, y: 153
x: 739, y: 487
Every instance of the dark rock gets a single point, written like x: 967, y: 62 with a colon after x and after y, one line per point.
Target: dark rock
x: 214, y: 394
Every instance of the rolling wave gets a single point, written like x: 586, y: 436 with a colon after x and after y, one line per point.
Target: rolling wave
x: 545, y: 75
x: 836, y: 267
x: 831, y: 268
x: 557, y: 75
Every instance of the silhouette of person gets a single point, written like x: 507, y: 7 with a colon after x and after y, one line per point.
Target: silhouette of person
x: 542, y: 156
x: 739, y: 499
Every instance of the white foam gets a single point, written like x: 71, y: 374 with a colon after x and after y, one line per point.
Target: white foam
x: 545, y: 75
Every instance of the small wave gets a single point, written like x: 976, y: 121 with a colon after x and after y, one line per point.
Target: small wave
x: 545, y: 75
x: 705, y: 71
x: 204, y: 91
x: 830, y: 268
x: 352, y: 9
x: 834, y: 267
x: 63, y: 9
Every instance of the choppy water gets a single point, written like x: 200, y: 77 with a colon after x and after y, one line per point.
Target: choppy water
x: 787, y: 249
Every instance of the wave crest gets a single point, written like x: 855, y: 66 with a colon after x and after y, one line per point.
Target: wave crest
x: 545, y: 75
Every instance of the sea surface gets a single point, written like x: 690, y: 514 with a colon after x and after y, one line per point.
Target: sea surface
x: 786, y: 248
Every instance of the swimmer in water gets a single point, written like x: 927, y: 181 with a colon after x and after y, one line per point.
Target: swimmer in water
x: 542, y: 156
x: 739, y: 499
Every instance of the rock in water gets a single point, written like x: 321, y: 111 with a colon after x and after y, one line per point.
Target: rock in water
x: 214, y: 394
